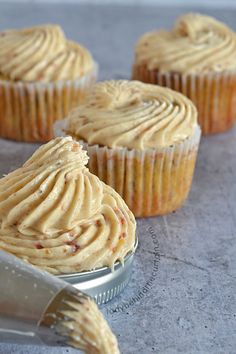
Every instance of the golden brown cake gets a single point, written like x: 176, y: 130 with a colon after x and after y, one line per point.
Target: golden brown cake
x: 142, y: 140
x: 196, y: 58
x: 42, y: 77
x: 57, y: 215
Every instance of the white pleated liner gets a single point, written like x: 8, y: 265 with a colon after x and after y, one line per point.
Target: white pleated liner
x: 29, y: 110
x: 214, y: 94
x: 152, y: 182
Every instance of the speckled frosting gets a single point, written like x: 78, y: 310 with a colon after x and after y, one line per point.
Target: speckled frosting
x: 58, y: 216
x: 41, y: 53
x: 87, y: 329
x: 196, y: 44
x: 133, y: 115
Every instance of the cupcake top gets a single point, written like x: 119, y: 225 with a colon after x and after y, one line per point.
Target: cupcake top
x: 196, y: 44
x: 58, y: 216
x: 41, y: 53
x: 133, y: 115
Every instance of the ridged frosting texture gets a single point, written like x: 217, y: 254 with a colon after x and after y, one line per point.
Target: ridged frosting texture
x: 56, y: 215
x: 197, y: 43
x: 133, y: 115
x: 86, y: 328
x: 41, y: 53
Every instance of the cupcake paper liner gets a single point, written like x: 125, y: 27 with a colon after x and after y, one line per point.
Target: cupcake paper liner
x: 152, y: 182
x: 214, y: 94
x: 28, y: 110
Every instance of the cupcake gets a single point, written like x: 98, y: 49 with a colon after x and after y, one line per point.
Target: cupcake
x: 42, y: 77
x: 58, y: 216
x: 141, y: 139
x: 196, y: 58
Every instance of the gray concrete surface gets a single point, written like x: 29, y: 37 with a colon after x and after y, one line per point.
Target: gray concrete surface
x: 188, y: 306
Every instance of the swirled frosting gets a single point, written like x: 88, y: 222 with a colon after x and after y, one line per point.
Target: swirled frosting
x: 133, y: 115
x: 58, y: 216
x: 196, y: 44
x: 41, y: 53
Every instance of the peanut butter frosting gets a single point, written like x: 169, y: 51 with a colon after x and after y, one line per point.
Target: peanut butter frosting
x: 41, y: 53
x: 196, y: 44
x: 86, y: 328
x: 58, y: 216
x: 133, y: 115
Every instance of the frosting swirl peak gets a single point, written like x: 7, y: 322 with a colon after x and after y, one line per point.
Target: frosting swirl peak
x: 197, y: 43
x: 57, y: 215
x: 132, y: 115
x: 41, y: 53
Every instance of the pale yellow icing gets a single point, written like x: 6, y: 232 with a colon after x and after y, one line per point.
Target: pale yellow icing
x: 41, y: 53
x: 133, y: 115
x: 87, y: 328
x: 58, y: 216
x: 197, y: 43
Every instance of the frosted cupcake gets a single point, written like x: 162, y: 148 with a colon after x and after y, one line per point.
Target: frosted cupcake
x: 42, y: 77
x: 196, y: 58
x: 142, y: 140
x: 58, y: 216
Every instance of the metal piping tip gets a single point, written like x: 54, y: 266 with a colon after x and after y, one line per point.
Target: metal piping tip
x: 76, y: 321
x: 38, y: 308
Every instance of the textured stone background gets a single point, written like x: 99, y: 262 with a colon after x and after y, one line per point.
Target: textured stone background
x: 191, y: 306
